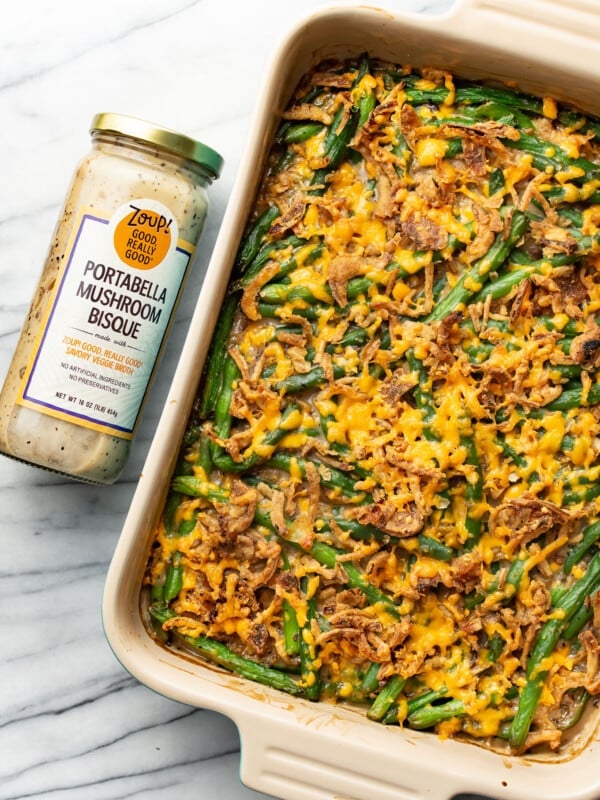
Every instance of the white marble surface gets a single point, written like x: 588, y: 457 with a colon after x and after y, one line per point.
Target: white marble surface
x: 73, y: 724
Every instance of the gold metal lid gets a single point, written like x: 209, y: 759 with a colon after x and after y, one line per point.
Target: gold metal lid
x: 170, y: 140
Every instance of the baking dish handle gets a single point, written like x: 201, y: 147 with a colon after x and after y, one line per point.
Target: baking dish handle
x: 559, y: 18
x: 293, y: 763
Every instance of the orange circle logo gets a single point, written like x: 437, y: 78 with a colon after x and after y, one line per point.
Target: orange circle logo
x: 142, y: 238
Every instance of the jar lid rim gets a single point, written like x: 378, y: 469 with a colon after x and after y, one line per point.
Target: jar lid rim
x: 170, y: 140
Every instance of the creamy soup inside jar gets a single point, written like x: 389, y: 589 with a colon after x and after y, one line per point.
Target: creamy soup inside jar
x: 99, y: 318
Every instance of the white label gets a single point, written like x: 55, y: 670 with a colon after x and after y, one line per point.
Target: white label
x: 109, y: 318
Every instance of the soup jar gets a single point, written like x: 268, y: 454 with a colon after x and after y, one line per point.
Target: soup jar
x: 118, y: 260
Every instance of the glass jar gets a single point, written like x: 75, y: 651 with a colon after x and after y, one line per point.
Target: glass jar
x: 100, y: 315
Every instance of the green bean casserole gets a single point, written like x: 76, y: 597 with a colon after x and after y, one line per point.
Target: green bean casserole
x: 388, y: 494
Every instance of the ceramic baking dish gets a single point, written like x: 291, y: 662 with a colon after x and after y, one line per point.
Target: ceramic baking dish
x: 291, y: 748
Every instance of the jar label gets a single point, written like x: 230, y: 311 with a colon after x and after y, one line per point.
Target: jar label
x: 109, y: 317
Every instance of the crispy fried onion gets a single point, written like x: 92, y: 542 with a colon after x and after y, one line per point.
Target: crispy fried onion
x: 359, y: 629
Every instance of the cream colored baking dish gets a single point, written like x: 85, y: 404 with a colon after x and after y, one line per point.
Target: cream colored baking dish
x: 291, y: 748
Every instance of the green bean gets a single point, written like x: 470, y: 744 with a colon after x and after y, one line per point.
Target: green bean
x: 430, y: 715
x: 327, y: 555
x: 568, y: 605
x: 357, y: 530
x: 571, y: 216
x: 476, y: 275
x: 495, y: 647
x: 311, y: 95
x: 287, y: 329
x: 502, y: 286
x: 358, y: 286
x: 495, y: 324
x: 570, y: 329
x: 192, y: 486
x: 354, y: 337
x: 336, y: 144
x: 231, y: 373
x: 157, y: 593
x: 190, y: 438
x: 309, y: 663
x: 386, y: 697
x: 510, y: 452
x: 468, y: 95
x: 366, y: 105
x: 580, y: 618
x: 591, y: 534
x: 274, y: 296
x: 214, y: 371
x: 520, y: 258
x: 186, y: 526
x: 414, y: 704
x: 581, y: 496
x: 270, y: 311
x: 539, y: 149
x: 580, y: 122
x: 500, y: 112
x: 174, y: 578
x: 473, y: 491
x: 265, y: 253
x: 573, y: 398
x: 568, y: 443
x: 568, y: 722
x: 291, y: 629
x: 432, y: 547
x: 367, y: 102
x: 454, y: 146
x: 220, y: 654
x: 419, y: 97
x: 370, y: 680
x: 543, y: 647
x: 510, y: 586
x: 472, y: 600
x: 278, y: 293
x: 357, y: 580
x: 495, y: 181
x: 585, y: 193
x: 301, y: 381
x: 477, y: 354
x: 421, y: 393
x: 203, y: 457
x: 402, y: 152
x: 270, y: 440
x: 171, y: 506
x: 576, y: 478
x: 557, y: 592
x: 504, y: 730
x: 510, y: 99
x: 566, y: 371
x: 284, y: 161
x: 253, y: 239
x: 514, y: 575
x: 299, y: 132
x: 572, y: 219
